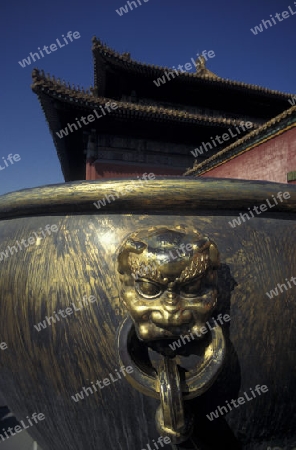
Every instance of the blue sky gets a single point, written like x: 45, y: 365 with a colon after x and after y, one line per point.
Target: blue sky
x: 161, y: 32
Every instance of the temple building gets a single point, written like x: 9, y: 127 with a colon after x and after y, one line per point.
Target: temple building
x: 129, y: 122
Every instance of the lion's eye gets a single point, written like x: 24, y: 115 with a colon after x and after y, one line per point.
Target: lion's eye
x: 148, y: 289
x: 191, y: 289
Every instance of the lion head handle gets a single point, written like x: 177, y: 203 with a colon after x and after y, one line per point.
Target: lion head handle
x: 168, y: 281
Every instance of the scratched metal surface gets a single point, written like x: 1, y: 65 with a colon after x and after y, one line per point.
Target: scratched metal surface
x: 81, y: 259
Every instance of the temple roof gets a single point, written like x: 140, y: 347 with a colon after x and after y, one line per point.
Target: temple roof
x: 62, y: 103
x: 108, y: 59
x: 105, y: 56
x: 76, y: 96
x: 275, y: 126
x: 193, y: 107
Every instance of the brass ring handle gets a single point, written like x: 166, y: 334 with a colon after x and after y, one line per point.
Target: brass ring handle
x: 171, y: 419
x: 173, y: 414
x: 195, y: 383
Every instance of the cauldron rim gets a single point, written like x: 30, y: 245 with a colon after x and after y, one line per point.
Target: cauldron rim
x: 164, y: 194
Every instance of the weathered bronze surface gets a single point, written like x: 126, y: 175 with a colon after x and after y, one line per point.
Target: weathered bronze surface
x: 41, y: 370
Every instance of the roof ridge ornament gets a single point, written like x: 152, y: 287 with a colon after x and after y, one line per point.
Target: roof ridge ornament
x: 126, y: 55
x: 36, y: 75
x: 201, y: 68
x: 200, y: 65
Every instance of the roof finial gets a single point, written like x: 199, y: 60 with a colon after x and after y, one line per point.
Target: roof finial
x: 126, y: 55
x: 35, y: 74
x: 200, y: 65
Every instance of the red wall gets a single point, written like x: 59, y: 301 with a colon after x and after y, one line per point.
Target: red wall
x: 270, y: 161
x: 97, y: 171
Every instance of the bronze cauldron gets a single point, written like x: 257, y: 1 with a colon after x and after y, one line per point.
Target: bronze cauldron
x: 160, y: 315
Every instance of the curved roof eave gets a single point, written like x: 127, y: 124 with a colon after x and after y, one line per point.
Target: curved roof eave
x: 56, y: 89
x: 125, y: 62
